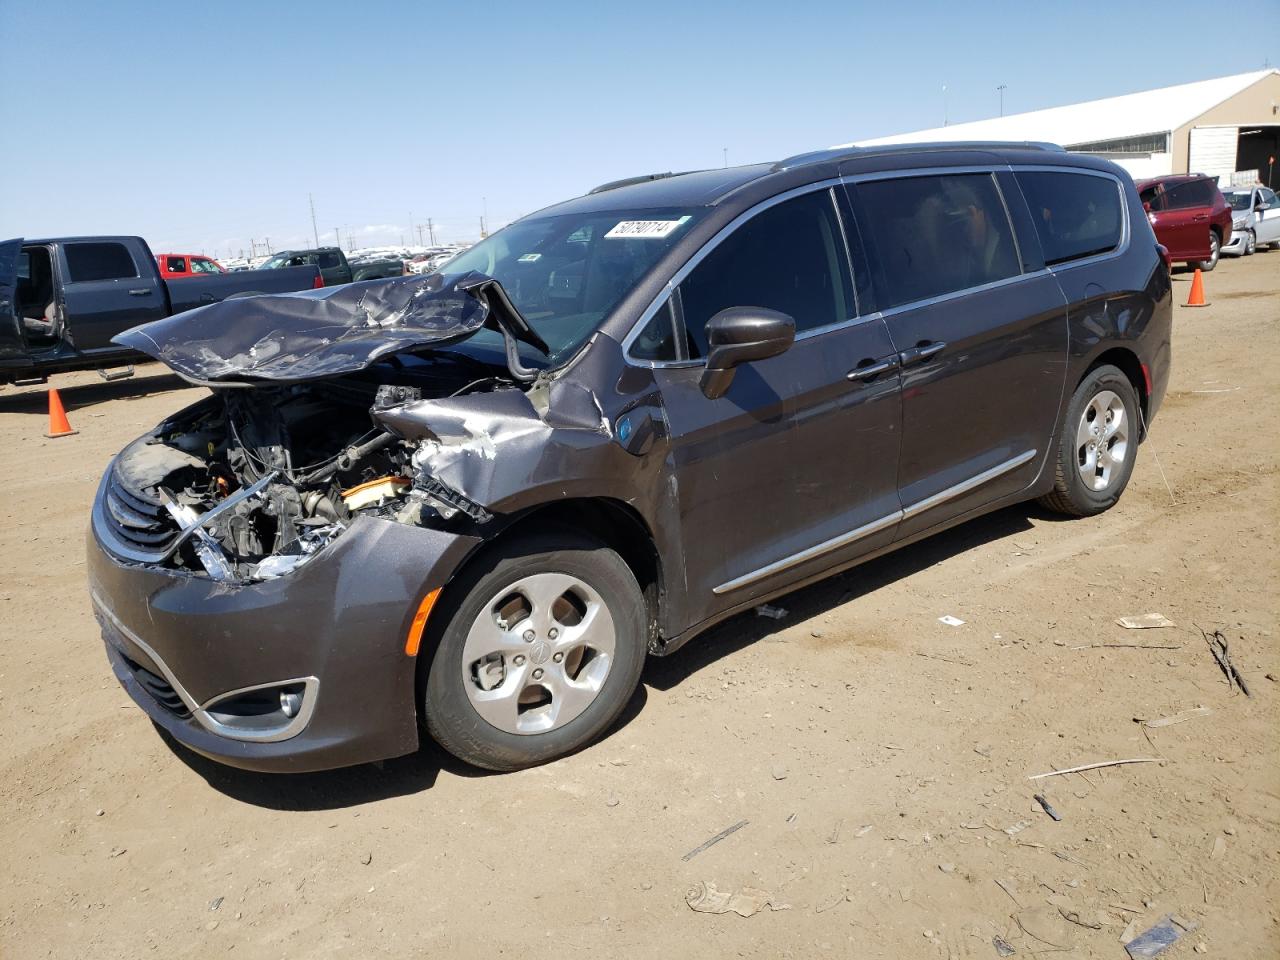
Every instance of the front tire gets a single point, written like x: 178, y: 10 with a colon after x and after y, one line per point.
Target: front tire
x: 1096, y: 446
x: 1250, y: 243
x: 1215, y: 252
x: 541, y: 646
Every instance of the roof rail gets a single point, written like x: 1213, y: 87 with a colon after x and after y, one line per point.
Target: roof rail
x: 629, y: 181
x: 850, y: 152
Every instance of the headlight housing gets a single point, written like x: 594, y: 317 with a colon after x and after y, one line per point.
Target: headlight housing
x: 1240, y: 224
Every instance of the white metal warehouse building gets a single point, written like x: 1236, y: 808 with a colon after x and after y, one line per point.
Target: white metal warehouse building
x: 1216, y: 127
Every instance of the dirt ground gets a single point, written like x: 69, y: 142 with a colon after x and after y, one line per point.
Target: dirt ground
x: 880, y: 757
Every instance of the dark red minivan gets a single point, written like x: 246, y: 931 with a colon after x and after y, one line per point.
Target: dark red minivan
x: 1190, y: 216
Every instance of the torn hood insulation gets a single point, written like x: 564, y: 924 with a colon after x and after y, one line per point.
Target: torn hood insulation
x: 294, y: 337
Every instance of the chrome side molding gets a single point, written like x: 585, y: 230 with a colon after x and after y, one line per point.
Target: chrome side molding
x: 875, y: 526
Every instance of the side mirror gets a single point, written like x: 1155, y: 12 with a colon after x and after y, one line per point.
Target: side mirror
x: 1262, y: 205
x: 741, y: 335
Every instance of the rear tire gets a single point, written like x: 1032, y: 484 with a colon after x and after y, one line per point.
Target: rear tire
x: 540, y: 646
x: 1215, y: 252
x: 1096, y: 445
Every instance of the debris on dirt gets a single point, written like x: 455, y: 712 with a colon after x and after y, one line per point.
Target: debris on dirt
x: 863, y: 830
x: 824, y: 907
x: 1219, y: 848
x: 703, y: 897
x: 1146, y: 621
x: 1003, y: 947
x: 1017, y: 828
x: 1219, y: 648
x: 1154, y: 941
x: 612, y: 801
x: 1007, y: 887
x: 951, y: 621
x: 215, y: 903
x: 1130, y: 931
x: 99, y: 812
x: 983, y: 750
x: 1129, y: 646
x: 117, y: 851
x: 934, y: 656
x: 367, y: 859
x: 1069, y: 858
x: 1045, y: 805
x: 1095, y: 766
x: 835, y: 832
x: 778, y: 771
x: 1073, y: 916
x: 1045, y: 924
x: 714, y: 840
x: 1175, y: 718
x: 772, y: 612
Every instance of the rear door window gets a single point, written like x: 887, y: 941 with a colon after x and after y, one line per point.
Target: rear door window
x: 329, y: 260
x: 1076, y: 214
x: 1191, y: 193
x: 790, y: 257
x: 935, y: 235
x: 98, y: 261
x: 175, y: 265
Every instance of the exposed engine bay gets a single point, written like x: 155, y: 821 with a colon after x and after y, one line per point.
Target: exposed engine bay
x: 260, y: 479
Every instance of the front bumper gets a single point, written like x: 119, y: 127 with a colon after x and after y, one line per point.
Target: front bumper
x: 1235, y: 244
x: 180, y: 642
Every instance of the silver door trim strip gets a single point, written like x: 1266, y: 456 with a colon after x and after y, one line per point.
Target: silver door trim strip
x: 960, y: 489
x: 875, y: 526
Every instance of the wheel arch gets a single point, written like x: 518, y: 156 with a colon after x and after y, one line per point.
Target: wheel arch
x: 612, y: 522
x: 1127, y: 362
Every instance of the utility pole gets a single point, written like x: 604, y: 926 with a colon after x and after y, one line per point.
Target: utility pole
x: 483, y: 234
x: 944, y: 104
x: 337, y: 237
x: 726, y: 158
x: 431, y: 231
x: 267, y: 241
x: 315, y: 234
x: 1002, y: 89
x: 420, y: 235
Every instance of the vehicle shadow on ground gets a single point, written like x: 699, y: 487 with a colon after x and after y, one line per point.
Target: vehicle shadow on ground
x: 664, y: 673
x: 351, y: 786
x: 77, y: 396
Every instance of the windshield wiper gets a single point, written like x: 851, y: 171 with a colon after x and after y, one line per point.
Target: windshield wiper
x: 514, y: 327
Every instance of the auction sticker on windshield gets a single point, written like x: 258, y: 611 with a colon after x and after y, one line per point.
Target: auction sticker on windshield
x: 644, y: 229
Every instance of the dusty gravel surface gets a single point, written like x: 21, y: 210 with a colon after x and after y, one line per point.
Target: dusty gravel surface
x: 880, y: 757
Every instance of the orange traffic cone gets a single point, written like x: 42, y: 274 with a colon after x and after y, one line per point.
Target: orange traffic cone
x: 58, y: 425
x: 1196, y: 299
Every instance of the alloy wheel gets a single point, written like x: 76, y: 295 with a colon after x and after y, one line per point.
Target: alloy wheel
x: 1102, y: 440
x: 538, y: 653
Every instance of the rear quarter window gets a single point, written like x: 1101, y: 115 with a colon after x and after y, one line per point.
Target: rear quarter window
x: 1076, y: 215
x: 98, y: 261
x: 1191, y: 193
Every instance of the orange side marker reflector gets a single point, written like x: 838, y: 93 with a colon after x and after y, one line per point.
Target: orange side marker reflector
x: 414, y: 640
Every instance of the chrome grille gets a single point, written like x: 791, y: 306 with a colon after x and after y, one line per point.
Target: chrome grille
x: 136, y: 519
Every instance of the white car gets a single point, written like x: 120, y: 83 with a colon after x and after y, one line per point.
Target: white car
x: 1255, y: 219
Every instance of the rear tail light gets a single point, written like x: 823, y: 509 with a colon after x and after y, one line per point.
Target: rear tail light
x: 317, y: 283
x: 1164, y: 255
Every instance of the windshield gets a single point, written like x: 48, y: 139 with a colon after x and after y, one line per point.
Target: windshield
x: 566, y: 273
x: 1239, y: 201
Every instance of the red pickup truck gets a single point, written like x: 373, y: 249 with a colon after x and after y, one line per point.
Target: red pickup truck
x: 175, y: 266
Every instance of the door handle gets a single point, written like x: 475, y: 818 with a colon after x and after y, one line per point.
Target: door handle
x: 921, y: 352
x: 873, y: 368
x: 140, y: 292
x: 1200, y: 216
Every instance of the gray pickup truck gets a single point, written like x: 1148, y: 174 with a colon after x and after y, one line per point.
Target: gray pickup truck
x: 63, y: 300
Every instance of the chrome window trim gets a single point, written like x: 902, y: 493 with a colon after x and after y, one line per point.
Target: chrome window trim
x: 875, y: 526
x: 701, y: 254
x: 904, y: 174
x: 311, y: 686
x: 1126, y: 224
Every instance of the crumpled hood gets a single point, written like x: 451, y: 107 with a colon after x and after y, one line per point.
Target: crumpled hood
x: 292, y: 337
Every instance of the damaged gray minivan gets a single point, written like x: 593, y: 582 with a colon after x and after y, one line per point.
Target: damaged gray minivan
x: 471, y: 503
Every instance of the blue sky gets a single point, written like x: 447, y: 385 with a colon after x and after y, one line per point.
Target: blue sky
x: 201, y: 125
